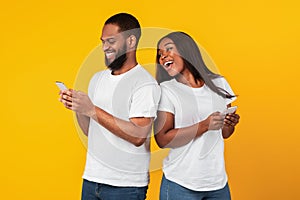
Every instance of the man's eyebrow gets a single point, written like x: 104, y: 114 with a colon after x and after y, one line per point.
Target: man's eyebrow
x: 110, y: 38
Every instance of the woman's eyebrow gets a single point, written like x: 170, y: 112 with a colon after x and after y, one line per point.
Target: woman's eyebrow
x: 168, y: 43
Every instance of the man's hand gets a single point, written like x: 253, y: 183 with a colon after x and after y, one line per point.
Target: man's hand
x: 65, y: 96
x: 82, y: 104
x: 78, y: 101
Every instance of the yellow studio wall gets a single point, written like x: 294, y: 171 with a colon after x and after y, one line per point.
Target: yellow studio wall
x: 253, y: 43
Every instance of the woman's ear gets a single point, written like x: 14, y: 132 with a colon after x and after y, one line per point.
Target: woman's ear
x: 131, y: 42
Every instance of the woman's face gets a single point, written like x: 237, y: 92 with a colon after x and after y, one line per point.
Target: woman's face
x: 169, y: 57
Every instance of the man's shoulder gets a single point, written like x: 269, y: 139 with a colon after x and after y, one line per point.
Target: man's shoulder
x: 97, y: 75
x: 142, y: 75
x: 100, y: 73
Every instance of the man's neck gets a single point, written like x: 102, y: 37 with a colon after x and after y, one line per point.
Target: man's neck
x: 130, y: 63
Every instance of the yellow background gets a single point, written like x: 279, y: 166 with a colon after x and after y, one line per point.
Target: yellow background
x: 254, y: 44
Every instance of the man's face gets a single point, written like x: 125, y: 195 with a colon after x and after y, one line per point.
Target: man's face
x: 114, y: 46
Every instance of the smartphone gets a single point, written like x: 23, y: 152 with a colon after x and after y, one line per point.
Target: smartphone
x: 61, y: 85
x: 230, y: 110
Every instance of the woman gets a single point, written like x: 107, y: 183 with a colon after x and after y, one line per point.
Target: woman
x: 190, y: 122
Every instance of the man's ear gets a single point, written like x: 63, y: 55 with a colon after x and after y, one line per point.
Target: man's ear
x: 131, y: 42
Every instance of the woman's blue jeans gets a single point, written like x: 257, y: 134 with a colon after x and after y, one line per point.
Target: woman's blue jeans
x: 172, y: 191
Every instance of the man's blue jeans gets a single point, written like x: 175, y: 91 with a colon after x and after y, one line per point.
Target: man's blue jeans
x: 98, y: 191
x: 173, y: 191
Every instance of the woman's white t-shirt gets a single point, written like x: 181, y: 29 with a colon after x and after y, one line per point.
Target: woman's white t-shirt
x: 198, y: 165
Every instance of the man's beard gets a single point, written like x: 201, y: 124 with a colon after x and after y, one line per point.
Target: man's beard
x: 119, y: 61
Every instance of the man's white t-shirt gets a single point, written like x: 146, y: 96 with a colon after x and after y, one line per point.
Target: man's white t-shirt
x: 198, y: 165
x: 110, y: 159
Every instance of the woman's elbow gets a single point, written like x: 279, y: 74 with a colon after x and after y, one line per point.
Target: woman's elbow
x: 161, y: 143
x: 226, y: 135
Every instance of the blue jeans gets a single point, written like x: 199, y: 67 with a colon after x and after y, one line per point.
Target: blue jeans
x: 99, y: 191
x: 172, y: 191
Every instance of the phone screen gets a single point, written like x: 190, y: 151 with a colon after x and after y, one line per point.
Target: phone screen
x: 61, y: 85
x: 230, y: 110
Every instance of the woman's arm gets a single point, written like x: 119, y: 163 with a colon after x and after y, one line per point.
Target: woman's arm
x: 167, y: 136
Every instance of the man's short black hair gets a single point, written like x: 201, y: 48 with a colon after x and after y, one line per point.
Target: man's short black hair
x: 127, y: 24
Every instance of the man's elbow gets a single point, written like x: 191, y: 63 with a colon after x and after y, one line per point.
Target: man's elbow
x: 139, y: 142
x: 86, y: 133
x: 142, y: 137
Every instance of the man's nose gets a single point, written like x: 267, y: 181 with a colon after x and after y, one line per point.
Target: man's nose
x: 105, y: 46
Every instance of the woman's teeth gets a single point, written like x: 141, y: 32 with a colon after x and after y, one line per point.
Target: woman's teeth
x: 168, y: 63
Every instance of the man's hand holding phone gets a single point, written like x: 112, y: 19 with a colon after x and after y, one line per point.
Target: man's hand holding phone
x: 61, y: 85
x: 77, y: 101
x: 65, y: 94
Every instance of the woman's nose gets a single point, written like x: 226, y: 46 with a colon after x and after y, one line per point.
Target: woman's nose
x: 163, y: 55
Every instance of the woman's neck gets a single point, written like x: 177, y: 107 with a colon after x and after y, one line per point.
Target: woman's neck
x: 187, y: 78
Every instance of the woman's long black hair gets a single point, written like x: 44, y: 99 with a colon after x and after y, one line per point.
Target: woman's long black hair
x: 193, y: 61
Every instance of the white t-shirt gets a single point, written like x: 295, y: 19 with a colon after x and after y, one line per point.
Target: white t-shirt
x: 111, y: 159
x: 198, y: 165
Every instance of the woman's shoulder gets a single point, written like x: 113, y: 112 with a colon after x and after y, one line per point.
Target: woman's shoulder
x: 170, y: 84
x: 220, y: 81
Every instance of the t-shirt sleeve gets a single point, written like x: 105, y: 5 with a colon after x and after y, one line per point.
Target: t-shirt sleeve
x: 144, y: 101
x: 93, y: 83
x: 165, y: 103
x: 226, y: 86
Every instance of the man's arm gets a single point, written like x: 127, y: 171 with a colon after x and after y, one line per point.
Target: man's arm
x: 83, y: 122
x: 134, y: 131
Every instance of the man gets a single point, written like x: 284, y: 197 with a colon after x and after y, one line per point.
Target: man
x: 117, y: 116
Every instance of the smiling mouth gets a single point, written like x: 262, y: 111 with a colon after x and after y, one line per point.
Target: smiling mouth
x: 109, y: 54
x: 168, y: 63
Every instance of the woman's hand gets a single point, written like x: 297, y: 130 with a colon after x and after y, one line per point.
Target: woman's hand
x: 231, y: 119
x: 215, y: 121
